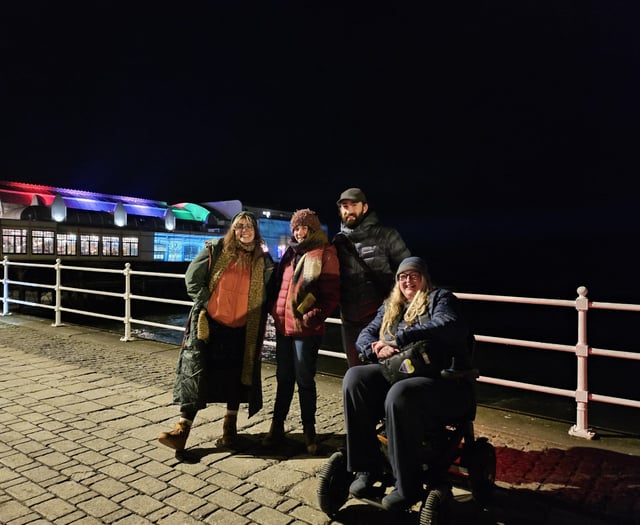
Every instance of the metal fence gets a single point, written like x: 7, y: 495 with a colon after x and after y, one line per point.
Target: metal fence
x: 51, y: 294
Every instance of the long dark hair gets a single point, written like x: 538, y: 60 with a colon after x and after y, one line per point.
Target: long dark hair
x: 235, y: 248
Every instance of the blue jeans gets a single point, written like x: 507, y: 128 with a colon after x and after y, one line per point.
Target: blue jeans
x: 296, y: 359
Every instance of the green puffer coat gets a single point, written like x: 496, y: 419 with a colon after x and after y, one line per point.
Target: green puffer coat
x: 197, y: 384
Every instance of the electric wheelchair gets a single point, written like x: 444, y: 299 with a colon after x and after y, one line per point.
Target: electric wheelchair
x: 452, y: 454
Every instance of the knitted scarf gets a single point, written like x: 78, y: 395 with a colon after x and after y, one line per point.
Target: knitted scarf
x: 254, y: 313
x: 308, y: 267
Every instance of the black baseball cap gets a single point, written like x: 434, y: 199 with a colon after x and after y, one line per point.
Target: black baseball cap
x: 352, y: 194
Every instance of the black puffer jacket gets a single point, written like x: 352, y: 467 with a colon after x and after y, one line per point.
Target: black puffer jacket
x: 382, y: 249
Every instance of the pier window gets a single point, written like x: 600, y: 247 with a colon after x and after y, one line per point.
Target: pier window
x: 176, y: 247
x: 66, y: 244
x: 277, y: 233
x: 14, y: 240
x: 42, y: 242
x: 130, y: 246
x: 191, y: 250
x: 89, y: 244
x: 110, y: 246
x: 175, y: 253
x: 159, y: 251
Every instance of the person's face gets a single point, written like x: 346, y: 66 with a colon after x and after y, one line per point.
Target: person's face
x: 300, y: 232
x: 410, y: 283
x: 351, y: 211
x: 245, y: 231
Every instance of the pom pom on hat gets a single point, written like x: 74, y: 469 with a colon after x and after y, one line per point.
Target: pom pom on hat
x: 306, y: 217
x: 415, y: 264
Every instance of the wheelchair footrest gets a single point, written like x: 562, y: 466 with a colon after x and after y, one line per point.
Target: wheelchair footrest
x: 374, y: 502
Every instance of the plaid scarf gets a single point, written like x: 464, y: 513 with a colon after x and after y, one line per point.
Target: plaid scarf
x: 307, y: 269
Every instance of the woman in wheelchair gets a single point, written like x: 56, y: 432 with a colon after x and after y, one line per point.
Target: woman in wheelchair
x: 414, y: 312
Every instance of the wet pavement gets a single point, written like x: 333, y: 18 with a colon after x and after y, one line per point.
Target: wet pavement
x: 81, y: 411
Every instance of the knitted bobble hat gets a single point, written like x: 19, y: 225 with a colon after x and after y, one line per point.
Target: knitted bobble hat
x: 306, y: 217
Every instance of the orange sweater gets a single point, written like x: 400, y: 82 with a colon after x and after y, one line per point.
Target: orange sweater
x: 229, y: 302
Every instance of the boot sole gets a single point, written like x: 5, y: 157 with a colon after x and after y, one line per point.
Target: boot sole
x: 169, y: 444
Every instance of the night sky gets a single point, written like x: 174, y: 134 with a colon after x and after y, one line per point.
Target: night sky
x: 500, y: 137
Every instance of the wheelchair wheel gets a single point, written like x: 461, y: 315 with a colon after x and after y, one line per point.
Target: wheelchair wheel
x: 482, y: 470
x: 435, y: 510
x: 333, y: 484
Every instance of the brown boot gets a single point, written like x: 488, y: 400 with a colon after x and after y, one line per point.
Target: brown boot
x: 177, y: 438
x: 309, y: 432
x: 229, y: 432
x: 275, y: 435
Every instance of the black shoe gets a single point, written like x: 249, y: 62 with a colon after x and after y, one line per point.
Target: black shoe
x: 310, y: 439
x: 395, y: 502
x: 362, y: 485
x: 275, y: 435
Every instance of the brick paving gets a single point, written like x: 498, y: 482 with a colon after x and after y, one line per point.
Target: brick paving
x: 81, y: 411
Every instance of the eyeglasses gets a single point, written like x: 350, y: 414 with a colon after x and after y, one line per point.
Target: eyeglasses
x: 409, y: 277
x: 240, y: 227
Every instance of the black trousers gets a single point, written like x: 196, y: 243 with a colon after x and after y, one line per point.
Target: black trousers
x: 409, y: 407
x: 222, y: 358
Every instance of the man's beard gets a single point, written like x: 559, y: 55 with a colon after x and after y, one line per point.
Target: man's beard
x: 354, y: 223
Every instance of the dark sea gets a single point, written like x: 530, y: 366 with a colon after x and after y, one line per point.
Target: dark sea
x: 552, y: 266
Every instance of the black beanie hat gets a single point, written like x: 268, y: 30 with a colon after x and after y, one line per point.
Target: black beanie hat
x: 416, y: 264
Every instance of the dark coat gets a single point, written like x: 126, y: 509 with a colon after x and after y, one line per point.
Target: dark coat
x: 382, y: 249
x: 197, y: 383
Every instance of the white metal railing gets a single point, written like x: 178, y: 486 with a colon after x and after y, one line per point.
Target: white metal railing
x: 581, y: 304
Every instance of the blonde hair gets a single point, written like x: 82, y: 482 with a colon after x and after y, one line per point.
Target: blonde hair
x: 397, y: 309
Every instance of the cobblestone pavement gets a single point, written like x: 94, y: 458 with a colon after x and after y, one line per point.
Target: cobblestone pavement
x: 81, y: 411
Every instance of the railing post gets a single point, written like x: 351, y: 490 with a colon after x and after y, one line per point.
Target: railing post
x: 5, y: 287
x: 127, y: 303
x: 58, y: 306
x: 580, y: 429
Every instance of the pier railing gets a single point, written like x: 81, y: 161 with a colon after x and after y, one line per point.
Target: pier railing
x: 52, y: 294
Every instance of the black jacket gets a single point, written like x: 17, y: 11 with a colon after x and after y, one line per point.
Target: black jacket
x: 382, y: 249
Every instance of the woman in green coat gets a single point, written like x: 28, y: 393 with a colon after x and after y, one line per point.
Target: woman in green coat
x: 231, y: 283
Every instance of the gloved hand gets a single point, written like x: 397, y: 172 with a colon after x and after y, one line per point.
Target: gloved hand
x: 203, y: 326
x: 313, y: 318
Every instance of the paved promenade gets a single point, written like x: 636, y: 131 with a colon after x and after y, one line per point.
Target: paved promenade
x: 80, y: 413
